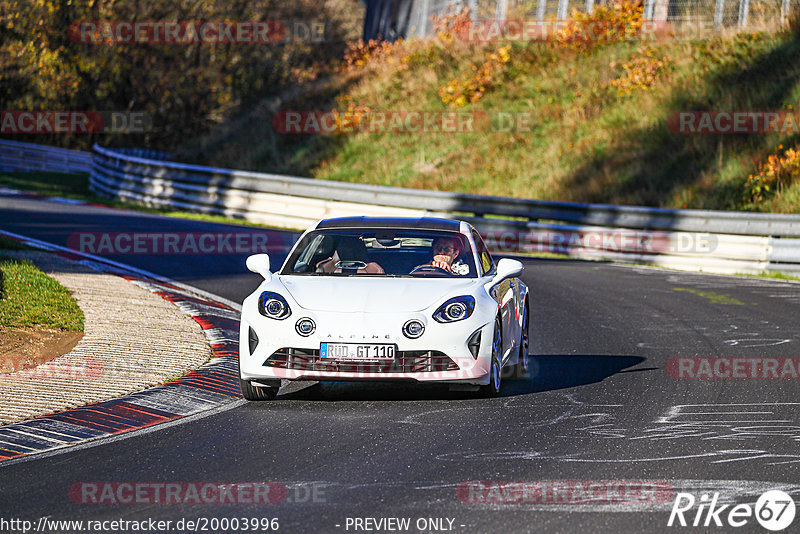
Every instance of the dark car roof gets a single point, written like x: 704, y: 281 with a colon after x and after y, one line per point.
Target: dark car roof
x: 427, y: 223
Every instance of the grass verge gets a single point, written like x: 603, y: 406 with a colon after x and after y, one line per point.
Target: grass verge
x: 31, y: 298
x: 772, y: 276
x: 10, y: 244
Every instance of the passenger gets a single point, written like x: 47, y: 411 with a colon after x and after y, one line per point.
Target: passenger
x: 350, y: 254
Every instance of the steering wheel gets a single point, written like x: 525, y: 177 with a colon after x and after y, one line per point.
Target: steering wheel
x: 429, y: 269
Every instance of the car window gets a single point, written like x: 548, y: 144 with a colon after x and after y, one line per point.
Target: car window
x: 487, y: 263
x: 381, y: 252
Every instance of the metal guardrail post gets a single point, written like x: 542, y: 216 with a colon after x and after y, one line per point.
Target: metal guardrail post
x: 718, y: 12
x: 422, y: 23
x: 540, y: 11
x: 501, y: 10
x: 744, y: 10
x: 563, y: 8
x: 649, y: 6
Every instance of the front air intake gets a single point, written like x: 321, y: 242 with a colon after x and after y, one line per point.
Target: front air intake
x: 408, y: 361
x: 474, y: 344
x: 253, y: 339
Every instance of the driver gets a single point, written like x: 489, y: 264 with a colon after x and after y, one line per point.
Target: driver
x: 446, y: 256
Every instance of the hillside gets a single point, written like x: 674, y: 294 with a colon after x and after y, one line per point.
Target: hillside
x: 602, y: 118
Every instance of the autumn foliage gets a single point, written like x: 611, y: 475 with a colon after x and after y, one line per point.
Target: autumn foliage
x: 640, y: 72
x: 614, y: 21
x: 780, y: 170
x: 473, y: 86
x: 183, y: 87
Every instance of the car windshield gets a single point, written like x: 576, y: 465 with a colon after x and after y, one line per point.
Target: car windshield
x: 382, y: 252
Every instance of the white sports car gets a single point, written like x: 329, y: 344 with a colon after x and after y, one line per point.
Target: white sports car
x: 363, y: 298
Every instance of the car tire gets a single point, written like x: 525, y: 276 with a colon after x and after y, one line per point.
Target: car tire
x: 523, y: 362
x: 257, y: 393
x: 492, y: 389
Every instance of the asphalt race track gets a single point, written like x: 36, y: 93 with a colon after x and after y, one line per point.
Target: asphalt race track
x: 598, y: 407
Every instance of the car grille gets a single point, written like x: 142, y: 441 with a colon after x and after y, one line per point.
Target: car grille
x: 405, y: 361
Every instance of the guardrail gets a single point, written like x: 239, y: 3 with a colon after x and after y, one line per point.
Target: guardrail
x: 734, y: 242
x: 715, y: 241
x: 16, y: 156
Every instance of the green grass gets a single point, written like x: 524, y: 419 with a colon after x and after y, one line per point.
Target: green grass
x: 31, y: 298
x: 772, y: 276
x: 51, y: 184
x: 714, y: 298
x: 10, y: 244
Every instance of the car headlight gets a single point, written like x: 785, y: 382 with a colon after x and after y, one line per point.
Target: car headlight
x: 455, y: 309
x: 273, y: 305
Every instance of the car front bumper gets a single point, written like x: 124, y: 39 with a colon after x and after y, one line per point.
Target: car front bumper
x: 441, y: 354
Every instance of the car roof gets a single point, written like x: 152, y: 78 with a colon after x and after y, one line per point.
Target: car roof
x: 427, y: 223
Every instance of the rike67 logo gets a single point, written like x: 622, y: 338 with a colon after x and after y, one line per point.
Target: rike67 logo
x: 774, y: 510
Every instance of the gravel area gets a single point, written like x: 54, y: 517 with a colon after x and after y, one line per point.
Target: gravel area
x: 133, y: 339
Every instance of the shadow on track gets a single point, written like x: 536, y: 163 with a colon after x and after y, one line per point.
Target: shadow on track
x: 560, y: 371
x: 546, y: 373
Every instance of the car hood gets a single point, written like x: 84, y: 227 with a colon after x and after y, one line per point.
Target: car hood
x: 373, y: 295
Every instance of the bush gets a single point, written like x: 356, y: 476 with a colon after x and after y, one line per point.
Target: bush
x: 616, y: 21
x: 778, y: 172
x: 471, y: 88
x: 641, y: 72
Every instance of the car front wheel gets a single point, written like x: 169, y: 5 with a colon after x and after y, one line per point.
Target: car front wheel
x: 493, y: 387
x: 257, y: 393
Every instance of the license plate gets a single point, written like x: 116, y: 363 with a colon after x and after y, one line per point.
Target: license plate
x: 357, y: 351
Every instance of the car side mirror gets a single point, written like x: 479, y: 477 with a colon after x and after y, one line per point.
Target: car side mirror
x: 507, y: 268
x: 259, y: 264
